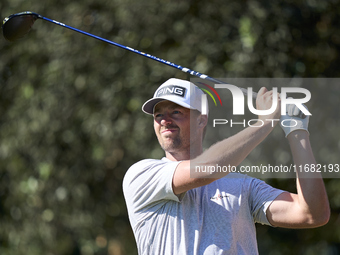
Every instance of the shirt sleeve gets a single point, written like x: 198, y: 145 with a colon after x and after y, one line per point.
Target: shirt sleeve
x: 148, y: 182
x: 261, y: 196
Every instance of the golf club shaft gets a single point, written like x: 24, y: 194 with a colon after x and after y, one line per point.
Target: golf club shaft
x: 183, y: 69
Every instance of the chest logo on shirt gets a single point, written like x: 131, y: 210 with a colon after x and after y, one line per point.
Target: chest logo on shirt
x: 218, y: 197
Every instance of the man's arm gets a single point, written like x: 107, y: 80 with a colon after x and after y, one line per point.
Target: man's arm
x: 309, y: 207
x: 231, y: 151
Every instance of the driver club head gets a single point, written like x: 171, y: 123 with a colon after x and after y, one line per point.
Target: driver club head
x: 18, y: 25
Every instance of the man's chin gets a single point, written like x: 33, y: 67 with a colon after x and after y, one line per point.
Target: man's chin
x: 170, y: 147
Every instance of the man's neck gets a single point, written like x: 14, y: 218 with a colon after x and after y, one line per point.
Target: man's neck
x: 183, y: 155
x: 176, y: 156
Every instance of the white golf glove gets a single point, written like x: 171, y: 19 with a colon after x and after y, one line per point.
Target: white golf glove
x: 294, y: 120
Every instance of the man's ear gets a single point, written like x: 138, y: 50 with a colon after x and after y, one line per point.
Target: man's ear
x: 203, y: 120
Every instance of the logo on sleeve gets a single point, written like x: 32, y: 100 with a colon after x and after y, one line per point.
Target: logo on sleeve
x: 171, y: 90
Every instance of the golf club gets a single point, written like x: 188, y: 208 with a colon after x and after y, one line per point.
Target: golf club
x: 18, y: 25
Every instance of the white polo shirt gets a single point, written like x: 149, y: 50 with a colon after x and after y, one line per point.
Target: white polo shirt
x: 214, y: 219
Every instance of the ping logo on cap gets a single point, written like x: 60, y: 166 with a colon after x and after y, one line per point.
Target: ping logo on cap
x: 171, y: 90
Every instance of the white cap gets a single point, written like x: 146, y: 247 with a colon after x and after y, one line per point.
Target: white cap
x: 181, y: 92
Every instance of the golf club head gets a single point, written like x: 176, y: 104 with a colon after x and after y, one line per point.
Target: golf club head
x: 18, y: 25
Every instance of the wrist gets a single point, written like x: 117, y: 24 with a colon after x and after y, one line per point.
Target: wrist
x: 264, y: 126
x: 268, y: 122
x: 299, y: 134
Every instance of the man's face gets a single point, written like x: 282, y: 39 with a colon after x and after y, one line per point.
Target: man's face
x: 172, y: 126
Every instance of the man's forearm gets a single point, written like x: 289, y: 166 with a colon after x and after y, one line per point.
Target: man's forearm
x: 310, y: 186
x: 233, y: 150
x: 228, y: 152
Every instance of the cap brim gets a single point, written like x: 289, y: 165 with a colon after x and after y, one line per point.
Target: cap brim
x: 149, y: 105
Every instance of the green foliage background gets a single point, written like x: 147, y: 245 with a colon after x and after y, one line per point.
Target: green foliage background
x: 70, y: 118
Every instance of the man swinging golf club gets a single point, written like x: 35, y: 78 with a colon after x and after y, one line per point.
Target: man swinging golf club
x: 172, y: 212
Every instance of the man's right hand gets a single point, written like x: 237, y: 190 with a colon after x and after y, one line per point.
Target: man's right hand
x: 264, y: 101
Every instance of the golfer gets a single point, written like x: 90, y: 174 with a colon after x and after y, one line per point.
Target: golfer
x: 172, y: 212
